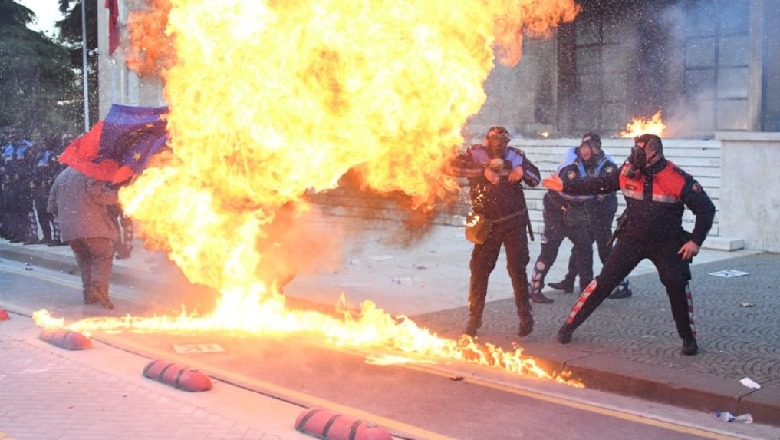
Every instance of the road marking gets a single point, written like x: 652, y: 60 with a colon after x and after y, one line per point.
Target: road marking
x: 609, y: 412
x: 198, y: 348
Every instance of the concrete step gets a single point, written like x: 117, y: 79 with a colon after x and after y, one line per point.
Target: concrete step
x: 724, y: 244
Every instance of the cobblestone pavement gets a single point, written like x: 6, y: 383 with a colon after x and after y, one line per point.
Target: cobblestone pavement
x: 737, y: 318
x: 47, y: 393
x: 631, y: 345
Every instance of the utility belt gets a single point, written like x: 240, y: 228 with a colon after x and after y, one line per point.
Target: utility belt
x: 478, y: 227
x: 560, y: 205
x: 573, y: 214
x: 566, y: 206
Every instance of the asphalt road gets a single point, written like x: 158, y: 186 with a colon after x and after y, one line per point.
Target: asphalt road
x: 425, y: 399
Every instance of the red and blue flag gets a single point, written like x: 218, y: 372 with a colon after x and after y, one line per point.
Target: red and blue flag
x: 120, y: 146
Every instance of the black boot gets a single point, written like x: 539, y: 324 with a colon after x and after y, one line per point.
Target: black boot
x: 621, y: 291
x: 566, y: 284
x: 477, y: 293
x: 565, y: 333
x: 471, y: 328
x: 537, y: 296
x: 89, y: 298
x: 690, y: 347
x: 537, y: 283
x: 526, y: 326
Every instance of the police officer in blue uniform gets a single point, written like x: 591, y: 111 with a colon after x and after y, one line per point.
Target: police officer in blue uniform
x: 567, y: 215
x: 602, y: 214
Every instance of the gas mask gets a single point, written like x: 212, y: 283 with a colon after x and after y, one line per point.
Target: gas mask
x: 496, y: 142
x: 495, y: 151
x: 638, y: 158
x: 591, y: 163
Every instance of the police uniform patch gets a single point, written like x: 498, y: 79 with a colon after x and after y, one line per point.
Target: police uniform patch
x: 572, y: 175
x: 609, y: 170
x: 696, y: 188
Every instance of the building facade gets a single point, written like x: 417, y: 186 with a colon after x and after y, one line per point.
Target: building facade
x: 707, y: 65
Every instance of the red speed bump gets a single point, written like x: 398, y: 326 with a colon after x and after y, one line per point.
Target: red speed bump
x: 4, y: 315
x: 67, y: 339
x: 177, y: 376
x: 327, y: 425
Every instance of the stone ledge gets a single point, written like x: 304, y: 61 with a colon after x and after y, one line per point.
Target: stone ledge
x: 724, y: 244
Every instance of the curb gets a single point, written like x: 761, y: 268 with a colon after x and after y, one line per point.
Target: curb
x: 699, y: 391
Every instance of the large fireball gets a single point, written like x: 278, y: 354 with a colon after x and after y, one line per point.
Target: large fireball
x: 270, y: 100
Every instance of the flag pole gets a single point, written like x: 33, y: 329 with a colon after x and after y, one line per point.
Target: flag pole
x: 84, y: 64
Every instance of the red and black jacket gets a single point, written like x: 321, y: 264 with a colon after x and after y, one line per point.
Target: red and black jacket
x: 656, y: 198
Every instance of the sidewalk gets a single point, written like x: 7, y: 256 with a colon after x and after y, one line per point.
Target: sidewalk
x: 628, y: 346
x: 88, y: 394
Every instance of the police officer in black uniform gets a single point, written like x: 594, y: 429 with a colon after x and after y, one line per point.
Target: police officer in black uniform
x: 45, y: 171
x: 567, y: 215
x: 657, y: 193
x: 602, y: 214
x: 496, y: 174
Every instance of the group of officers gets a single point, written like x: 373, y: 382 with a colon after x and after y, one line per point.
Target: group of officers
x: 580, y: 205
x: 27, y: 171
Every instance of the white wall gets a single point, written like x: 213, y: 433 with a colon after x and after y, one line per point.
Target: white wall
x: 750, y: 166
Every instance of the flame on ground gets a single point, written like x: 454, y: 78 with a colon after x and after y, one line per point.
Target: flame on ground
x: 370, y: 327
x: 272, y: 99
x: 639, y: 126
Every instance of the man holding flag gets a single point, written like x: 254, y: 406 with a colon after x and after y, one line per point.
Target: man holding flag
x: 114, y: 151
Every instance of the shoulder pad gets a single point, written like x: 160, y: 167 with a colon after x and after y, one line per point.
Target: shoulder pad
x: 680, y: 171
x: 516, y: 150
x: 570, y: 168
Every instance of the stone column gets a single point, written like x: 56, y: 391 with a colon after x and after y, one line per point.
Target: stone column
x: 756, y: 65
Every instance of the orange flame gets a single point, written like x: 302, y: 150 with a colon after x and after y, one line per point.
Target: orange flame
x: 371, y: 328
x: 150, y: 51
x: 270, y: 100
x: 639, y: 126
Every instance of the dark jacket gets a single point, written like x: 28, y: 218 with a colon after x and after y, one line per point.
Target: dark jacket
x: 504, y: 198
x: 655, y: 200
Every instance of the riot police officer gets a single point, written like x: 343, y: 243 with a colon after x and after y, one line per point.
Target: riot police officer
x: 496, y: 177
x: 657, y: 193
x: 567, y: 215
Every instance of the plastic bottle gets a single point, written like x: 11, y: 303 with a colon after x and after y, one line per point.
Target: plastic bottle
x: 728, y: 417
